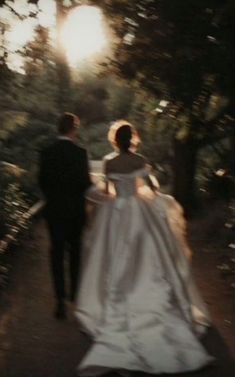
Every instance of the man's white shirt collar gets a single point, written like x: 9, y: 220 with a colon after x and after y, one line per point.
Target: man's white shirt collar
x: 65, y: 138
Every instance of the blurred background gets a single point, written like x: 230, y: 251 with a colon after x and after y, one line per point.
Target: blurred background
x: 167, y: 67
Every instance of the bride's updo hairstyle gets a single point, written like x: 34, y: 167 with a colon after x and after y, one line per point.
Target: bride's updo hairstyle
x: 123, y: 136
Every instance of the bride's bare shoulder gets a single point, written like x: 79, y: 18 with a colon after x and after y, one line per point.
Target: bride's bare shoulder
x: 110, y: 156
x: 124, y: 162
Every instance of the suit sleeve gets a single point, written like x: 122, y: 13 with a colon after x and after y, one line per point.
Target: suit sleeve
x: 86, y: 176
x: 42, y: 181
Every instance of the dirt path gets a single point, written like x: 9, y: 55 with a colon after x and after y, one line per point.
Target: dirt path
x: 34, y: 344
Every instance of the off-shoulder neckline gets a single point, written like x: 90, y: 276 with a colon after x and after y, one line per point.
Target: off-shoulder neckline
x: 134, y: 173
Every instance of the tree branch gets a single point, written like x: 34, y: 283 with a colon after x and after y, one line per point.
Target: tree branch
x: 217, y: 151
x: 14, y: 12
x: 20, y: 16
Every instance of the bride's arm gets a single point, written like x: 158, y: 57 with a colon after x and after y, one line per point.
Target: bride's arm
x: 96, y: 193
x: 152, y: 182
x: 106, y: 187
x: 150, y: 179
x: 106, y: 182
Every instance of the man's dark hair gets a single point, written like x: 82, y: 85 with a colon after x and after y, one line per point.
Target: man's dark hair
x: 67, y: 123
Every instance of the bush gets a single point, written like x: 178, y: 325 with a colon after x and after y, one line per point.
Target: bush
x: 13, y: 200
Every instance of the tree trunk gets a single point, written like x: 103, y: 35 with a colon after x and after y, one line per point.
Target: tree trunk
x: 184, y: 169
x: 61, y: 61
x: 232, y: 149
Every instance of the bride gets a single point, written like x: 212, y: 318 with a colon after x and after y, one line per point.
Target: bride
x: 137, y: 298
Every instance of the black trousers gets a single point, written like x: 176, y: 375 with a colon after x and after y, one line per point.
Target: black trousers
x: 65, y: 236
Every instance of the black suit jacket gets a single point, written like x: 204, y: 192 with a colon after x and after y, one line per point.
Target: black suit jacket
x: 63, y: 178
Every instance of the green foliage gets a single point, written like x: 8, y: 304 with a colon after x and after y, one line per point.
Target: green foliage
x: 18, y: 183
x: 173, y: 47
x: 97, y: 143
x: 13, y: 200
x: 88, y: 98
x: 120, y: 99
x: 183, y: 53
x: 10, y: 120
x: 213, y: 178
x: 162, y: 51
x: 39, y: 90
x: 14, y: 206
x: 22, y: 148
x: 231, y: 218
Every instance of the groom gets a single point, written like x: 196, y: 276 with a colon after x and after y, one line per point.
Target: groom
x: 63, y: 179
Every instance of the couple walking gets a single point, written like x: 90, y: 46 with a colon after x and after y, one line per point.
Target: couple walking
x: 136, y: 297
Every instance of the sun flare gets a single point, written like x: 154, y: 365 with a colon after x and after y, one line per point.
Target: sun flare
x: 83, y: 34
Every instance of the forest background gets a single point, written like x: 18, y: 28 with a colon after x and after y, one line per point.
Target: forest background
x: 168, y: 68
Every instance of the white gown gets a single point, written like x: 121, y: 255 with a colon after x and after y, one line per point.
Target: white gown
x: 137, y: 298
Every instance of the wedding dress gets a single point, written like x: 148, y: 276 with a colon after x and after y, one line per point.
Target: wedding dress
x: 137, y: 298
